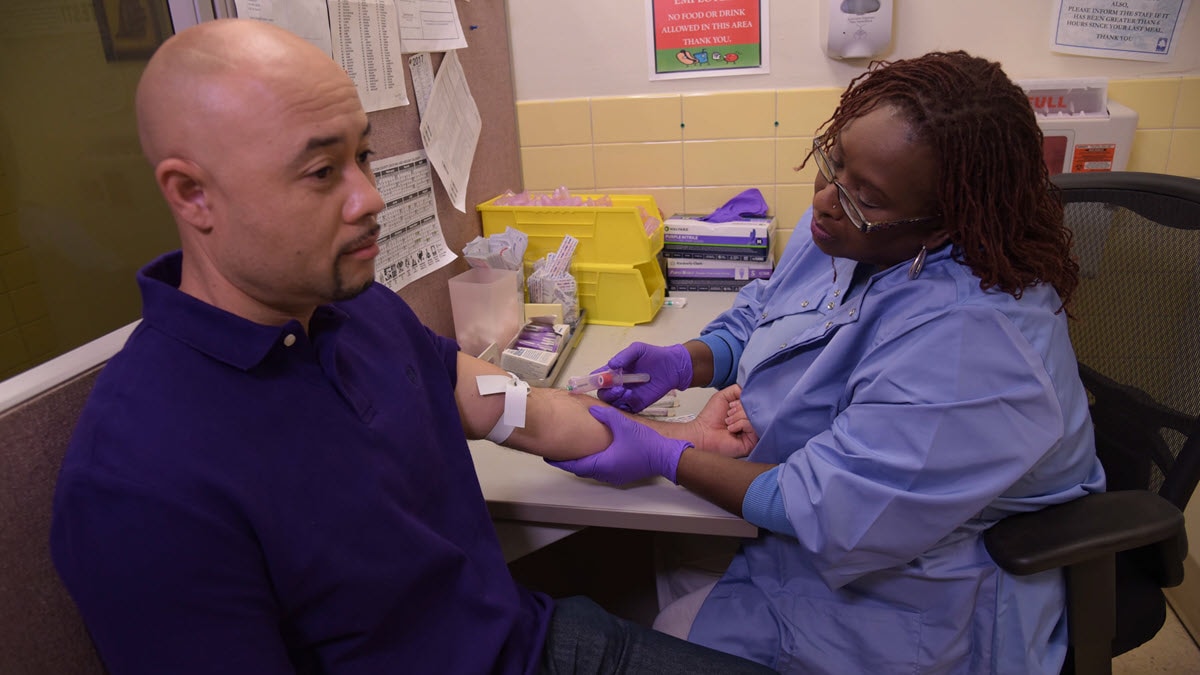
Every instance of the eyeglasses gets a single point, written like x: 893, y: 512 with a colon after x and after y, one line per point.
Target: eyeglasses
x: 853, y: 212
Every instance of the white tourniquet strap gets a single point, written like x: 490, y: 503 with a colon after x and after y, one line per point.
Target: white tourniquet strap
x: 515, y: 391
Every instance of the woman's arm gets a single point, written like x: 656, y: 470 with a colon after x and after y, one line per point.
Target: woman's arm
x: 711, y: 431
x: 702, y: 362
x: 721, y: 480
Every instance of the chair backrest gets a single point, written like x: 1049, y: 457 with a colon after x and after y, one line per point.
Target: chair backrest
x: 40, y: 629
x: 1137, y: 336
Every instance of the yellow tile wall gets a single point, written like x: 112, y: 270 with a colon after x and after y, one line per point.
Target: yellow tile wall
x: 640, y: 119
x: 1168, y: 131
x: 695, y: 151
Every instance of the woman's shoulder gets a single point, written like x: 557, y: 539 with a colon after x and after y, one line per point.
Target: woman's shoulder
x: 949, y: 289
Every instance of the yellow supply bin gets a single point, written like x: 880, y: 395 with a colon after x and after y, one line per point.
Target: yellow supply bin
x: 620, y: 295
x: 607, y: 234
x: 617, y: 295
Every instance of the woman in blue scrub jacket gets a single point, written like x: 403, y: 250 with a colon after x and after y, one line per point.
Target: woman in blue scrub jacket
x: 909, y: 376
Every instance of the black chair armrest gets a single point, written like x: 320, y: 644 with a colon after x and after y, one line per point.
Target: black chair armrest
x: 1091, y: 526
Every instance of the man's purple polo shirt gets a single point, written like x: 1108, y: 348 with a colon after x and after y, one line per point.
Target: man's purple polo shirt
x: 252, y: 499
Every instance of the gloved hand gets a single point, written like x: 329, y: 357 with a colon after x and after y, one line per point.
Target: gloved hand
x: 637, y: 452
x: 669, y: 368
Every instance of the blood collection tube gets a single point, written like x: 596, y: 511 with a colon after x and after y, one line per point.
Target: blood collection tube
x: 581, y: 384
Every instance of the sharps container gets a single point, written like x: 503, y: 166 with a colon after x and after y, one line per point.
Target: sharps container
x: 486, y: 304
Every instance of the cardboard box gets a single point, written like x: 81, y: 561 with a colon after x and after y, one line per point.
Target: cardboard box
x: 684, y: 285
x: 714, y: 252
x: 688, y: 229
x: 680, y: 268
x: 534, y: 364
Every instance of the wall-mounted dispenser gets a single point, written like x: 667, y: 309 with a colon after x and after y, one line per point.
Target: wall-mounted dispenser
x: 853, y: 29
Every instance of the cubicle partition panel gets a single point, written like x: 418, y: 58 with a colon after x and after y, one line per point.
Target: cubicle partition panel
x: 40, y: 629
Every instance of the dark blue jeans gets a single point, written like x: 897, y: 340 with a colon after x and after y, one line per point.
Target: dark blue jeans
x: 584, y: 639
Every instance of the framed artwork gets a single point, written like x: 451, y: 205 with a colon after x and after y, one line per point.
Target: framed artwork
x: 132, y: 29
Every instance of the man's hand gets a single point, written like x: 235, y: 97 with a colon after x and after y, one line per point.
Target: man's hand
x: 637, y: 452
x: 722, y: 426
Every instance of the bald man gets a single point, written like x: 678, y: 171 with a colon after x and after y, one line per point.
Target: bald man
x: 272, y: 476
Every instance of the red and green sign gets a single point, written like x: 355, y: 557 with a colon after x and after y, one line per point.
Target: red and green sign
x: 699, y: 36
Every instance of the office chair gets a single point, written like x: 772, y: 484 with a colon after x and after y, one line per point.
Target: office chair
x: 1135, y: 333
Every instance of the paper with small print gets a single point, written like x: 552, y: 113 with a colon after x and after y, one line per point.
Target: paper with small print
x: 411, y: 243
x: 1138, y: 30
x: 450, y: 129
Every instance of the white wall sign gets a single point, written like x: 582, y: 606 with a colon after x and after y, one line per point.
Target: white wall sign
x: 1140, y: 30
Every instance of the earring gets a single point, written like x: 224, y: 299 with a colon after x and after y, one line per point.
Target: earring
x: 918, y: 264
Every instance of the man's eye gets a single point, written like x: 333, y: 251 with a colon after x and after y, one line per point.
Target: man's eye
x: 322, y: 172
x: 365, y: 156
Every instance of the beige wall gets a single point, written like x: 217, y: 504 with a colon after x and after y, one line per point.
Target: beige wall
x: 582, y: 48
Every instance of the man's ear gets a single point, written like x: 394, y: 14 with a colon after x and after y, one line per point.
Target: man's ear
x: 185, y: 187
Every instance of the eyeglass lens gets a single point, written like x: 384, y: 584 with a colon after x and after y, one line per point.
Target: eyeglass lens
x: 848, y: 205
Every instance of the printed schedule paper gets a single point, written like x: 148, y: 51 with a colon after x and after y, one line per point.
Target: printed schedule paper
x: 366, y: 43
x: 411, y: 243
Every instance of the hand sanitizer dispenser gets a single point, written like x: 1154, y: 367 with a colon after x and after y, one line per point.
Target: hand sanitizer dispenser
x: 853, y: 29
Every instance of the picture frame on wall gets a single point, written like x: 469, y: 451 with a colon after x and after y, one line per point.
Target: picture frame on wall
x: 131, y: 30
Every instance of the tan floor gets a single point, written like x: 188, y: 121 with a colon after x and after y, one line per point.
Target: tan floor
x: 1172, y: 651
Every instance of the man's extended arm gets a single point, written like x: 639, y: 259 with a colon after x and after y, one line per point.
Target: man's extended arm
x: 558, y: 425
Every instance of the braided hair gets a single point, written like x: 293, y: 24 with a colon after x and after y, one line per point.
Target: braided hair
x: 1003, y: 215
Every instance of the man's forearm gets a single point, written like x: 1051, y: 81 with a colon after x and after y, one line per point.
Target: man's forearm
x: 559, y: 426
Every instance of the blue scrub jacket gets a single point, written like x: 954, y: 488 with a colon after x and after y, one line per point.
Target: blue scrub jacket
x: 908, y: 416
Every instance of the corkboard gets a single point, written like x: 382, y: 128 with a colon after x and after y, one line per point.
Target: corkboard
x: 496, y: 168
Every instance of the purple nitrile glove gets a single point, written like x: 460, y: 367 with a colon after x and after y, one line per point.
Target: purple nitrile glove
x: 669, y: 368
x: 746, y: 204
x: 637, y: 452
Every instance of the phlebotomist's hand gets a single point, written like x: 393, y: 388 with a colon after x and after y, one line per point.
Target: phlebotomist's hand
x: 669, y: 368
x: 637, y: 452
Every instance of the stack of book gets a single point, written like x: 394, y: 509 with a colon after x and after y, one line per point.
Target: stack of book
x: 703, y: 256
